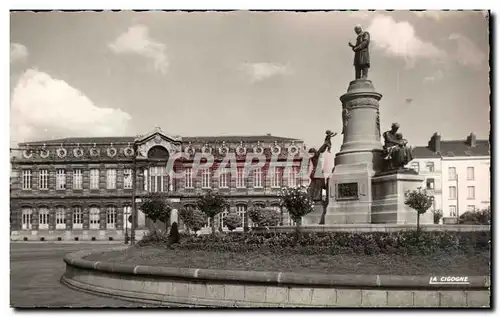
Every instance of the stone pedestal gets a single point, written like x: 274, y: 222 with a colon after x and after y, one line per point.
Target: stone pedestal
x: 314, y: 217
x: 359, y: 158
x: 388, y: 195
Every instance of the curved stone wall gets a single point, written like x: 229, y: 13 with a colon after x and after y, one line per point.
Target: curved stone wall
x: 170, y: 286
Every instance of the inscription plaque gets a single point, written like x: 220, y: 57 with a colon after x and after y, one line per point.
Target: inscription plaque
x: 347, y: 191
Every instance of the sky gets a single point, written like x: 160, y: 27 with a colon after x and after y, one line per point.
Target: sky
x: 243, y: 73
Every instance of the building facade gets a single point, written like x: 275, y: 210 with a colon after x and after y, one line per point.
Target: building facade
x: 83, y: 187
x: 457, y: 173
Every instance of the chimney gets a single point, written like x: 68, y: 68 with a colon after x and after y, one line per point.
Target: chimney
x: 268, y: 134
x: 435, y: 143
x: 471, y: 140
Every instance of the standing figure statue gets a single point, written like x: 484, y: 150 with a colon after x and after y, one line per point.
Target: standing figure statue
x: 317, y: 184
x: 361, y: 52
x: 397, y: 151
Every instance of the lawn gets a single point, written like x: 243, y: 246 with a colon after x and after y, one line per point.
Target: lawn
x: 390, y: 264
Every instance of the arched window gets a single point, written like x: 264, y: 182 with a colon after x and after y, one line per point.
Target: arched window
x: 26, y: 218
x: 94, y: 217
x: 61, y: 218
x: 43, y: 218
x: 77, y: 217
x: 111, y: 217
x: 241, y: 210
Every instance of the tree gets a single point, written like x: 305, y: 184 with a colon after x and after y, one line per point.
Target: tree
x: 156, y: 207
x: 297, y: 201
x: 192, y: 218
x: 212, y: 204
x: 232, y: 221
x: 420, y: 201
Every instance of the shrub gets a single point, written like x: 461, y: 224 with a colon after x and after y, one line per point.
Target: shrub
x: 59, y: 239
x: 152, y: 237
x: 93, y: 239
x: 264, y: 217
x: 25, y: 239
x: 76, y: 238
x: 194, y: 219
x: 420, y: 201
x: 173, y: 236
x: 110, y: 238
x: 232, y: 221
x: 42, y: 239
x: 438, y: 214
x: 480, y: 217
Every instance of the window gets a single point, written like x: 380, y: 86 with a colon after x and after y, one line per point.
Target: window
x: 94, y: 218
x: 453, y: 211
x: 471, y: 192
x: 471, y: 208
x: 430, y: 167
x: 146, y: 177
x: 257, y: 178
x: 60, y: 179
x: 430, y: 183
x: 470, y: 173
x: 61, y: 218
x: 26, y: 180
x: 240, y: 180
x: 43, y: 179
x: 158, y: 179
x: 415, y: 166
x: 452, y: 192
x: 94, y: 178
x: 127, y: 212
x: 111, y: 178
x: 276, y: 177
x: 452, y: 173
x: 223, y: 177
x: 292, y: 177
x: 26, y: 221
x: 221, y: 218
x: 127, y: 178
x: 77, y: 218
x: 77, y: 179
x: 188, y: 178
x: 241, y: 210
x: 205, y: 178
x: 111, y: 217
x: 43, y: 218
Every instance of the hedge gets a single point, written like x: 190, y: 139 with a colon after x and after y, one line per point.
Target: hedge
x: 403, y: 242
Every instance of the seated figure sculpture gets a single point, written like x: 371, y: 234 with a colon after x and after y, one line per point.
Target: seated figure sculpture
x: 397, y: 152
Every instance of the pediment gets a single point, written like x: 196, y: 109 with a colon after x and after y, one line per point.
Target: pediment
x: 157, y: 138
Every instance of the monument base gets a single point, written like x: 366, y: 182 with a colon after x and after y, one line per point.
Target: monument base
x: 349, y: 194
x: 314, y: 217
x: 388, y: 193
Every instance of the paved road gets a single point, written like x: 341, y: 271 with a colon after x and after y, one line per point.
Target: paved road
x: 35, y: 270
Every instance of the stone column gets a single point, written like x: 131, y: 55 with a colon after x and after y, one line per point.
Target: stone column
x: 359, y: 158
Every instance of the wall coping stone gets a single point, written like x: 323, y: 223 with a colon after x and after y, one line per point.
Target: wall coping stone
x: 385, y: 282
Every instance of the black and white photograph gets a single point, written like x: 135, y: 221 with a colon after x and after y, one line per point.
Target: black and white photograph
x: 250, y: 159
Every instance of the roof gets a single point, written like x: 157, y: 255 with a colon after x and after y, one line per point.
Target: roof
x: 194, y: 139
x: 454, y: 148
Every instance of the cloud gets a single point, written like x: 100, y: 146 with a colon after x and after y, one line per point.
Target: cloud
x: 467, y: 53
x: 398, y: 39
x: 44, y: 107
x: 435, y: 77
x: 18, y: 53
x: 440, y: 15
x: 137, y: 41
x: 261, y: 71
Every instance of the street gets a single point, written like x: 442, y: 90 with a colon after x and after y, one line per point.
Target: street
x: 35, y: 271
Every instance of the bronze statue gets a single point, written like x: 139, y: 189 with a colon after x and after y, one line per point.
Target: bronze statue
x: 318, y: 183
x: 361, y: 53
x: 397, y: 151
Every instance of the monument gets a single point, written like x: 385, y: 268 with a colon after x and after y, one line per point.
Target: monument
x: 369, y: 180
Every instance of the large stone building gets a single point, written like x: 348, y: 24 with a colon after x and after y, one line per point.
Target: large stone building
x: 457, y: 173
x: 82, y: 187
